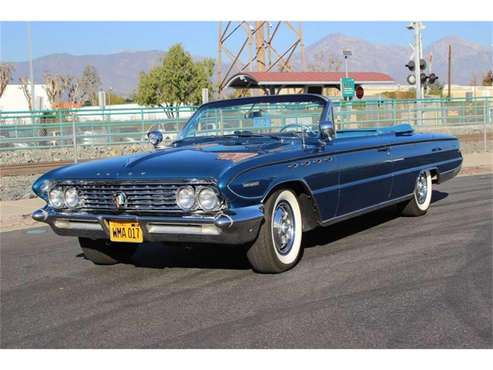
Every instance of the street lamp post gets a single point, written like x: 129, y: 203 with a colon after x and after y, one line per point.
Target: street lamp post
x: 31, y: 70
x: 347, y: 53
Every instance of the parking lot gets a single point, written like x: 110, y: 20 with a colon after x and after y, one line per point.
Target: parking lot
x: 377, y: 281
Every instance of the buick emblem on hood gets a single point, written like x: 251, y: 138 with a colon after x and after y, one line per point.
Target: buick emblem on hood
x: 120, y: 200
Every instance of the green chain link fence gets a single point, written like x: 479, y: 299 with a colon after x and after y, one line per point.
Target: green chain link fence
x: 23, y: 130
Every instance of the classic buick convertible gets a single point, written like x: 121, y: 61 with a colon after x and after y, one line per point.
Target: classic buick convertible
x: 255, y: 172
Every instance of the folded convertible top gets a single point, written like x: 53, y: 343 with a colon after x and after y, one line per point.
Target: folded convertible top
x: 402, y: 129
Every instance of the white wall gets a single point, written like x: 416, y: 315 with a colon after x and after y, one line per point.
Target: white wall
x: 461, y: 91
x: 13, y: 98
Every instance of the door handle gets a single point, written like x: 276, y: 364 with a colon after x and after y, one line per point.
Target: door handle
x: 384, y: 149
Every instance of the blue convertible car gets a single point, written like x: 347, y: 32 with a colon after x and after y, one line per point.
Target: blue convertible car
x: 256, y: 172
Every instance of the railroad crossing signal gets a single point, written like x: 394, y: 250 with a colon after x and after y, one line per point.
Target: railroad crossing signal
x: 424, y: 78
x: 432, y: 78
x: 411, y: 65
x: 411, y: 79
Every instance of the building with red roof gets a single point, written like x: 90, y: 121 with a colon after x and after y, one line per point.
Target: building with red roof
x: 314, y: 82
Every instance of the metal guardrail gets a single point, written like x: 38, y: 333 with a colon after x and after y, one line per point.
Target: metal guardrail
x: 25, y: 130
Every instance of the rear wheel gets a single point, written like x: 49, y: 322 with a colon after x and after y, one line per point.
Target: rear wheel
x: 278, y: 246
x: 103, y: 252
x: 421, y: 200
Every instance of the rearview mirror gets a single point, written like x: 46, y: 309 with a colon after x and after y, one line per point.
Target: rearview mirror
x: 327, y: 130
x: 254, y: 114
x: 155, y: 138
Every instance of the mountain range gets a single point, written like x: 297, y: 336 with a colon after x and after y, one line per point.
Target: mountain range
x: 120, y: 71
x: 469, y: 60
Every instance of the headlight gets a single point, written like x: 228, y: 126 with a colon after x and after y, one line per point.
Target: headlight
x: 57, y: 198
x: 208, y: 199
x: 71, y: 198
x: 185, y: 197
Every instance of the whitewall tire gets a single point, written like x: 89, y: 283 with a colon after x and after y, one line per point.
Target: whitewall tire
x: 421, y: 200
x: 278, y: 245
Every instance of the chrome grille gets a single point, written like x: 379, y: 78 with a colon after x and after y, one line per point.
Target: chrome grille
x: 140, y: 197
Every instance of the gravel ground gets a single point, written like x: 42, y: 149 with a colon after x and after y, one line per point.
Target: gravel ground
x: 63, y: 154
x: 16, y: 187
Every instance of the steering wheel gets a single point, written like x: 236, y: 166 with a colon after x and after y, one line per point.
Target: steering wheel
x: 295, y: 125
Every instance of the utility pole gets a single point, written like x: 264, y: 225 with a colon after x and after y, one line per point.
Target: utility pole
x: 219, y: 55
x: 345, y: 66
x: 31, y: 70
x: 302, y: 43
x: 258, y: 48
x: 259, y: 37
x: 269, y: 50
x: 347, y: 53
x: 449, y: 70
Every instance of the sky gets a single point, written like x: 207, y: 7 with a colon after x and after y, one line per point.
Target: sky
x: 200, y: 38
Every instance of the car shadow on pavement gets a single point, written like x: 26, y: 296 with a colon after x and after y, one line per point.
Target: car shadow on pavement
x: 157, y: 255
x: 210, y: 256
x: 437, y: 196
x: 329, y: 234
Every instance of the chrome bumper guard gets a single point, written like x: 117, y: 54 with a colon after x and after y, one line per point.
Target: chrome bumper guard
x: 237, y: 226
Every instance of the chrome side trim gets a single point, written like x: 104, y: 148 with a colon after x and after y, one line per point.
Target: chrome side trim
x: 362, y: 211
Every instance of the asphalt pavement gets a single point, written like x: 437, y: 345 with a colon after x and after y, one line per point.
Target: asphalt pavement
x: 378, y: 281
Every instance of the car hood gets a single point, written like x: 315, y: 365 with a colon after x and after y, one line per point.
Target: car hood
x: 199, y: 161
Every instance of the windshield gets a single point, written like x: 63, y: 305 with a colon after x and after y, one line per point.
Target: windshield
x: 254, y: 118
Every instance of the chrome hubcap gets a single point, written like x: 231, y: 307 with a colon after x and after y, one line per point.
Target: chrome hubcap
x: 421, y: 188
x: 283, y: 227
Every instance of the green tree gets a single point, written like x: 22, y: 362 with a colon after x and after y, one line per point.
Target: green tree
x: 488, y: 78
x: 178, y: 80
x: 89, y: 85
x: 436, y: 89
x: 115, y: 99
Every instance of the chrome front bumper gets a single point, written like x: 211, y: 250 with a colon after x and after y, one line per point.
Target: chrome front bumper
x: 237, y: 226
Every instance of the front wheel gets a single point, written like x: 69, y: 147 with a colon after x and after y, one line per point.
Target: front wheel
x: 278, y: 245
x: 421, y: 200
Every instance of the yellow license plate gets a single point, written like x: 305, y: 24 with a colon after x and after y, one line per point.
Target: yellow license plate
x: 128, y: 232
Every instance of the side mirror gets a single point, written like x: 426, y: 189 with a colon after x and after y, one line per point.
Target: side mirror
x: 327, y: 130
x: 155, y: 138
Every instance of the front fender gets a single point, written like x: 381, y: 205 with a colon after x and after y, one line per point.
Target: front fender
x: 252, y: 186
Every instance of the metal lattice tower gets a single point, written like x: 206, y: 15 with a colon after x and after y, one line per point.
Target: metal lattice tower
x: 254, y: 46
